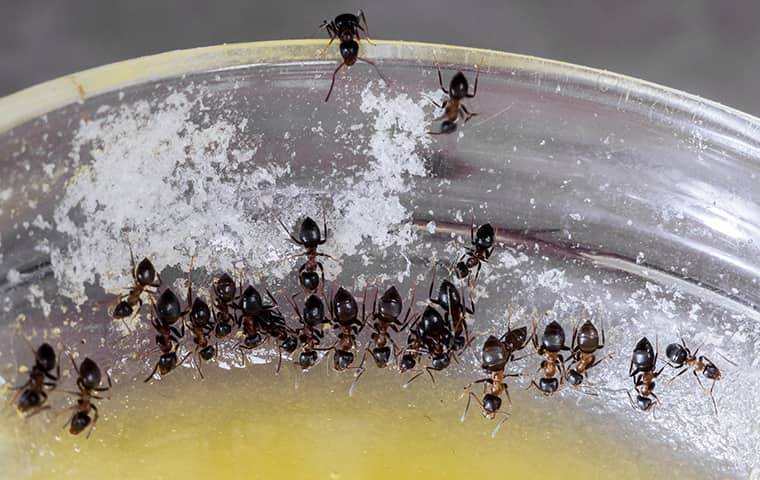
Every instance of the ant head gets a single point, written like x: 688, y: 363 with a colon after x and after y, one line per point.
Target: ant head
x: 145, y: 272
x: 458, y: 86
x: 644, y: 403
x: 309, y: 234
x: 491, y: 404
x: 309, y: 280
x: 588, y: 337
x: 307, y: 359
x: 289, y: 344
x: 448, y: 126
x: 313, y: 311
x: 250, y: 301
x: 45, y: 357
x: 382, y: 355
x: 208, y: 352
x: 29, y: 399
x: 494, y: 354
x: 548, y: 385
x: 223, y: 329
x: 676, y: 354
x: 168, y: 307
x: 167, y: 362
x: 90, y: 374
x: 200, y: 314
x: 574, y: 378
x: 224, y: 287
x: 462, y: 270
x: 79, y: 422
x: 122, y: 310
x: 349, y: 50
x: 342, y: 359
x: 407, y: 362
x: 345, y: 306
x: 554, y: 337
x: 390, y: 303
x: 485, y: 235
x: 440, y: 361
x: 253, y: 341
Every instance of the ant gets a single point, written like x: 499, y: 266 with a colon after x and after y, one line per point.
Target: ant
x: 310, y: 238
x: 437, y: 339
x: 496, y: 355
x: 679, y: 356
x: 224, y: 297
x: 585, y: 342
x: 386, y: 317
x: 344, y: 313
x: 167, y: 312
x: 31, y: 395
x: 552, y: 343
x: 88, y: 382
x: 410, y: 355
x: 200, y: 325
x: 451, y: 302
x: 310, y: 333
x: 454, y: 108
x: 144, y: 279
x: 346, y: 28
x: 259, y: 320
x: 642, y: 369
x: 482, y: 243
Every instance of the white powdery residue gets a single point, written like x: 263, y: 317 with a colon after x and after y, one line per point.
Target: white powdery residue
x: 372, y: 207
x: 178, y: 188
x: 553, y: 279
x: 509, y: 258
x: 13, y: 277
x: 36, y: 299
x: 41, y: 223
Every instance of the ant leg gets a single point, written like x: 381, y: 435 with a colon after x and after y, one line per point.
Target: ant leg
x: 150, y: 377
x: 498, y: 427
x: 440, y: 81
x: 197, y: 360
x: 465, y: 113
x: 357, y: 375
x: 467, y: 407
x: 406, y: 385
x: 475, y: 87
x: 376, y: 68
x: 630, y: 400
x: 678, y: 375
x: 132, y: 261
x: 366, y: 28
x: 332, y: 84
x: 292, y: 237
x: 279, y: 360
x: 36, y: 410
x: 710, y: 392
x: 94, y: 420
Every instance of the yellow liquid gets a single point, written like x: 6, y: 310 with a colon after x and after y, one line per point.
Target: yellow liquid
x: 252, y: 424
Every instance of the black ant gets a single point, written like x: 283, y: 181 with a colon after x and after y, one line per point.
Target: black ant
x: 482, y: 247
x: 552, y: 343
x: 224, y: 297
x: 346, y: 28
x: 679, y: 356
x: 410, y: 355
x: 436, y: 336
x: 310, y: 333
x: 586, y: 341
x: 449, y: 299
x: 386, y: 317
x: 260, y: 320
x: 144, y: 279
x: 454, y: 108
x: 88, y: 382
x: 200, y: 325
x: 309, y: 237
x: 642, y: 369
x: 344, y: 314
x: 496, y: 355
x: 31, y: 395
x: 167, y: 312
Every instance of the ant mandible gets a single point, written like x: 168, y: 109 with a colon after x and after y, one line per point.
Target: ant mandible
x: 679, y: 356
x: 144, y: 279
x: 642, y: 370
x: 346, y: 28
x: 453, y: 107
x: 88, y: 382
x: 31, y: 395
x: 309, y: 237
x: 482, y: 243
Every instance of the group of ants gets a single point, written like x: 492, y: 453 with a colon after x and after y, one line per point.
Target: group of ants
x: 438, y: 334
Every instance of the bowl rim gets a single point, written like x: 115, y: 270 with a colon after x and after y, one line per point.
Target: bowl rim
x: 40, y: 99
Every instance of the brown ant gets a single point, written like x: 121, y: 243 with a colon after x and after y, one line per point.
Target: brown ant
x: 166, y: 313
x: 679, y: 356
x: 344, y: 315
x: 224, y: 297
x: 260, y: 320
x: 144, y: 279
x: 453, y: 106
x: 449, y: 299
x: 310, y: 238
x: 642, y: 370
x: 482, y: 243
x: 552, y: 343
x: 31, y: 396
x: 346, y: 28
x: 200, y: 324
x: 386, y: 317
x: 586, y: 341
x: 88, y: 382
x: 310, y: 333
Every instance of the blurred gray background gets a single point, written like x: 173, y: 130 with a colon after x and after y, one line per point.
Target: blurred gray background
x: 709, y: 48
